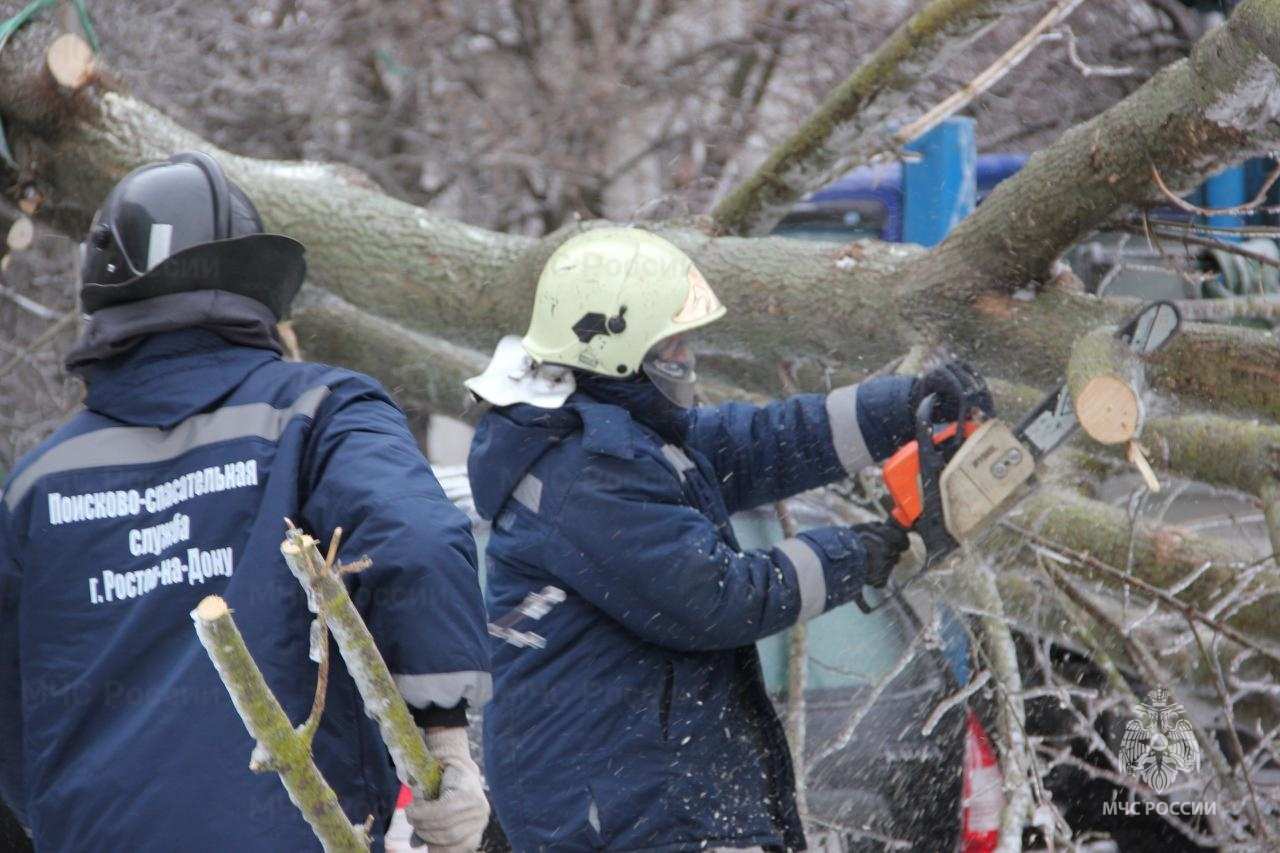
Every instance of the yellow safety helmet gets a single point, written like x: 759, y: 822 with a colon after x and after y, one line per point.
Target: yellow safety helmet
x: 607, y: 296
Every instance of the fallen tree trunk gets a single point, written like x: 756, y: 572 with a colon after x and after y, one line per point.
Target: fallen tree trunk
x: 857, y: 306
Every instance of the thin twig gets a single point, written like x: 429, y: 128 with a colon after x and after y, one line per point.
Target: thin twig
x: 957, y: 698
x: 1218, y: 685
x: 1248, y: 207
x: 1210, y: 228
x: 1212, y: 244
x: 797, y: 652
x: 1089, y: 561
x: 845, y: 735
x: 28, y: 305
x: 1086, y: 69
x: 989, y: 76
x: 39, y: 343
x: 320, y: 647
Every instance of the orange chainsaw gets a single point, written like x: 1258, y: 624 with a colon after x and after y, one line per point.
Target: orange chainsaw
x: 954, y: 478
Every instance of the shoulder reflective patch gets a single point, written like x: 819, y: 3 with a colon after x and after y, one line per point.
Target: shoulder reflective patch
x: 144, y: 445
x: 529, y: 492
x: 445, y: 689
x: 846, y: 435
x: 809, y: 576
x: 678, y: 460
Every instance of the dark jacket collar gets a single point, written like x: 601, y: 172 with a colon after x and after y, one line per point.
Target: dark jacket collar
x: 510, y: 440
x: 113, y: 331
x: 170, y: 376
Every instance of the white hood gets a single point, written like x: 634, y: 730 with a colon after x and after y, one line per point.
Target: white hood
x: 513, y: 377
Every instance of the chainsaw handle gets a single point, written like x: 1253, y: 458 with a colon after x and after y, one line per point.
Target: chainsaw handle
x: 902, y: 472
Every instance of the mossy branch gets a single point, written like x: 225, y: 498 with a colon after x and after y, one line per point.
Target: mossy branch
x: 327, y: 596
x: 1238, y: 454
x: 1161, y: 555
x: 855, y: 120
x: 287, y: 752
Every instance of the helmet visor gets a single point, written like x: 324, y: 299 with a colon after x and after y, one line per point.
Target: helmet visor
x: 669, y: 364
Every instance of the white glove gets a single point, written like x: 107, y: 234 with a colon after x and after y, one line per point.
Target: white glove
x: 454, y: 822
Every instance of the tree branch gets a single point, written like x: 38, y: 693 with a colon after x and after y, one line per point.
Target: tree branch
x: 850, y: 123
x: 328, y: 596
x: 1193, y: 117
x: 288, y: 752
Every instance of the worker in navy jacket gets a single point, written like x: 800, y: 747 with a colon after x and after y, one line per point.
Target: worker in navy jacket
x: 196, y: 442
x: 643, y: 724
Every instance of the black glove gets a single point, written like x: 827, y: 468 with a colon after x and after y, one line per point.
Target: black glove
x: 952, y: 381
x: 884, y: 543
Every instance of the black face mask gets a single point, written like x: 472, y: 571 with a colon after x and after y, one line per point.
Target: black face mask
x: 643, y: 400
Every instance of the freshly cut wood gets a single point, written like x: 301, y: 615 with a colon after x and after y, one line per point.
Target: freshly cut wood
x: 1106, y: 381
x: 282, y: 749
x: 329, y: 599
x: 70, y: 61
x: 1138, y: 459
x: 21, y: 234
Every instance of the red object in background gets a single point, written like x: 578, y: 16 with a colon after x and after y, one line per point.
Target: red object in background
x: 406, y: 797
x: 983, y: 794
x: 902, y: 476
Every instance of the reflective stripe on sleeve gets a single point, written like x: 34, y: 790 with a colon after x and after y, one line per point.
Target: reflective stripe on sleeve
x: 144, y: 445
x: 678, y: 459
x: 445, y: 689
x: 846, y: 435
x: 809, y: 576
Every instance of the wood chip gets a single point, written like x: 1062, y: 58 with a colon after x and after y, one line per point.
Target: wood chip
x: 1138, y: 458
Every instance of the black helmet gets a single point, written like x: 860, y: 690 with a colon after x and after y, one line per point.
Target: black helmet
x: 181, y: 225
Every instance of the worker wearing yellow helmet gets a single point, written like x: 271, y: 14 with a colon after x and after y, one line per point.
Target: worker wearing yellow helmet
x: 635, y: 715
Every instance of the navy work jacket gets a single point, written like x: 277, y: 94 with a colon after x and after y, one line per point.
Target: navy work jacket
x: 644, y: 723
x: 173, y: 484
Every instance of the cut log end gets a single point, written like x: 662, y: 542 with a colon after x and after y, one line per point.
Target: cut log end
x: 22, y: 234
x: 70, y: 61
x: 1109, y: 410
x: 211, y: 608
